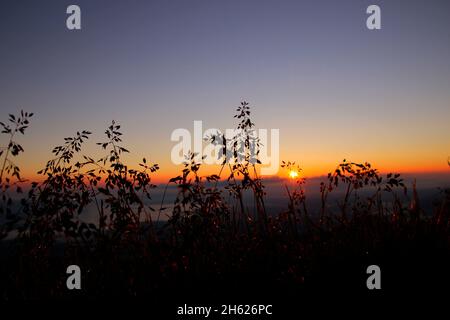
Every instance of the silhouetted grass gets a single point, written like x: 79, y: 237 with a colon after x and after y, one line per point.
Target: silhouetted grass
x: 211, y: 235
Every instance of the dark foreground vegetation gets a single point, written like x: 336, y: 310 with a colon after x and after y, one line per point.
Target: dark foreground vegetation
x: 212, y: 241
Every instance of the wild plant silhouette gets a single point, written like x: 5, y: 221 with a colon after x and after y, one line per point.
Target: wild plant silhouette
x: 211, y: 234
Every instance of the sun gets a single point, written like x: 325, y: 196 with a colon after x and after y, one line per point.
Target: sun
x: 293, y: 174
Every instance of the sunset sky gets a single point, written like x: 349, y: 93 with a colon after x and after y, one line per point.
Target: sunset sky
x: 309, y: 68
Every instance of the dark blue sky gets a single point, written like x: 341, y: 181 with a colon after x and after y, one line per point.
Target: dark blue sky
x: 310, y: 68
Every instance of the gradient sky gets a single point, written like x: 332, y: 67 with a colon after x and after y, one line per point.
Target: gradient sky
x: 310, y: 68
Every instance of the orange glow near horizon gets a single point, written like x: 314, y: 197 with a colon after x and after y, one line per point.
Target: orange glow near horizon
x: 169, y: 171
